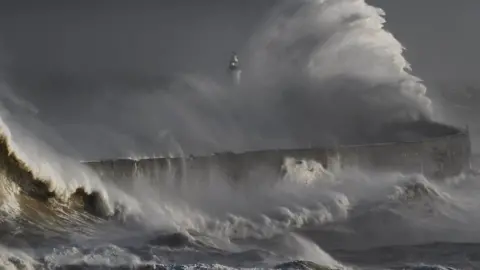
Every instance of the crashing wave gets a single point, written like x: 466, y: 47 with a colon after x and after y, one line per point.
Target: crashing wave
x: 418, y: 189
x: 14, y: 169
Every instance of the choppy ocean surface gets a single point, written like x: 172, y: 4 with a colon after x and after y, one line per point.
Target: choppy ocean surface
x: 312, y: 218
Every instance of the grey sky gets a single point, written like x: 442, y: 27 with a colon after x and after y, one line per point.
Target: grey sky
x: 140, y: 36
x: 441, y: 36
x: 151, y: 36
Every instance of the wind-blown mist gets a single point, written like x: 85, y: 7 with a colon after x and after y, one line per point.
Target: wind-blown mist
x: 336, y: 72
x: 315, y: 73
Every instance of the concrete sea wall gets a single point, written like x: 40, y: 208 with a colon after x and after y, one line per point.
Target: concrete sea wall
x: 444, y: 152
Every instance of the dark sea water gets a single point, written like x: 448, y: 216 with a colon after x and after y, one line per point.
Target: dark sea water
x: 311, y: 218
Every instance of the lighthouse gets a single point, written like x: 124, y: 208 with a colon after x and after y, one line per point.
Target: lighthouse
x: 234, y: 69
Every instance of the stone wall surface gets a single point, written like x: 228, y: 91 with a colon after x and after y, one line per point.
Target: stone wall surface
x: 440, y: 155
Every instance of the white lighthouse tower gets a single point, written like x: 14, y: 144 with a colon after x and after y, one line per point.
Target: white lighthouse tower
x: 234, y: 69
